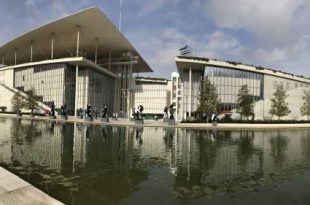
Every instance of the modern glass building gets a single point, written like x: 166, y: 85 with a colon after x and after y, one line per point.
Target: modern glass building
x: 73, y: 61
x: 228, y: 82
x: 228, y: 77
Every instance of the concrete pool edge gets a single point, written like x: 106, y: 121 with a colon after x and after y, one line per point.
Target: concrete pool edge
x: 14, y: 190
x: 128, y: 123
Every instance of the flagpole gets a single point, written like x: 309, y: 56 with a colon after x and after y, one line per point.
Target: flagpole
x: 120, y: 15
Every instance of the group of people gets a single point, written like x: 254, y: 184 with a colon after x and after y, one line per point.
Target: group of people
x: 137, y: 113
x: 63, y: 110
x: 89, y: 112
x: 86, y: 113
x: 214, y: 117
x: 169, y: 109
x: 81, y: 112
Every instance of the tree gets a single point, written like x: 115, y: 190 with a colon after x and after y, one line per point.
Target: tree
x: 17, y: 102
x: 279, y: 144
x: 305, y: 108
x: 245, y: 102
x: 279, y: 106
x: 208, y: 101
x: 31, y: 100
x: 245, y: 149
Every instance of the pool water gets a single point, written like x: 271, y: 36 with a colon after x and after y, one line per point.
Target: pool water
x: 98, y: 164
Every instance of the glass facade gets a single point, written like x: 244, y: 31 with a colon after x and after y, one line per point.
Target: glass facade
x: 46, y: 80
x: 190, y: 97
x: 101, y: 91
x: 229, y: 81
x: 126, y: 96
x: 56, y: 84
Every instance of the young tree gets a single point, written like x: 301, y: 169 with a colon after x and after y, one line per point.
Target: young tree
x: 208, y: 99
x: 17, y: 102
x: 279, y: 106
x: 305, y: 108
x: 31, y: 100
x: 245, y: 102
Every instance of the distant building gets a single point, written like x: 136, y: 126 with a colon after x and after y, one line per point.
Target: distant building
x: 153, y: 94
x: 228, y: 77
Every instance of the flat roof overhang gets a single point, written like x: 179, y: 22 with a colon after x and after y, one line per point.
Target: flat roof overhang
x: 198, y: 63
x: 183, y: 65
x: 80, y: 61
x: 95, y: 28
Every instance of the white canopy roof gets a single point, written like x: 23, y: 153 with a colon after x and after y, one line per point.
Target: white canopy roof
x: 93, y: 24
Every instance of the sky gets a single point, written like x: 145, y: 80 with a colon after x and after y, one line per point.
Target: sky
x: 273, y: 34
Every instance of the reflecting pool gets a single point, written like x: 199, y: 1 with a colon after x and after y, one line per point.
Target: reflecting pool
x: 97, y: 164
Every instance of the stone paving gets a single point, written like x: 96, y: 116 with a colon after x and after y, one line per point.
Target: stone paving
x: 160, y: 123
x: 15, y: 191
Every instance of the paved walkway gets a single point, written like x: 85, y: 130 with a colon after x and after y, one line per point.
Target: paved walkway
x: 152, y: 123
x: 15, y: 191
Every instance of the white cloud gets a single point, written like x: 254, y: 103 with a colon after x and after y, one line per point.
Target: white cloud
x: 30, y: 3
x: 277, y: 31
x: 220, y: 42
x: 148, y: 7
x: 270, y: 21
x: 274, y: 55
x: 160, y: 48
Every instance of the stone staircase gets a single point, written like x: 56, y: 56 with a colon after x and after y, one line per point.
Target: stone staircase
x: 9, y: 93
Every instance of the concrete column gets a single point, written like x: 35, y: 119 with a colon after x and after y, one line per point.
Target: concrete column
x: 76, y: 89
x: 52, y: 45
x: 78, y: 40
x: 31, y: 51
x: 15, y: 56
x: 96, y: 49
x: 190, y: 92
x: 110, y: 54
x: 177, y: 99
x: 130, y: 103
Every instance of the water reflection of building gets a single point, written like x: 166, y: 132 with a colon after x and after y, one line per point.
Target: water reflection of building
x: 5, y: 140
x: 217, y: 154
x: 36, y: 145
x: 118, y: 159
x: 105, y: 156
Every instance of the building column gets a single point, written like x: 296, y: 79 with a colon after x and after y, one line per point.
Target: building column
x: 110, y: 54
x: 76, y: 89
x: 52, y: 45
x: 2, y: 60
x: 130, y: 102
x: 78, y: 40
x: 190, y: 92
x: 96, y: 49
x: 177, y: 98
x: 31, y: 51
x: 15, y: 56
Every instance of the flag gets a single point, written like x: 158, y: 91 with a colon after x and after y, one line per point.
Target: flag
x: 184, y: 51
x: 183, y: 48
